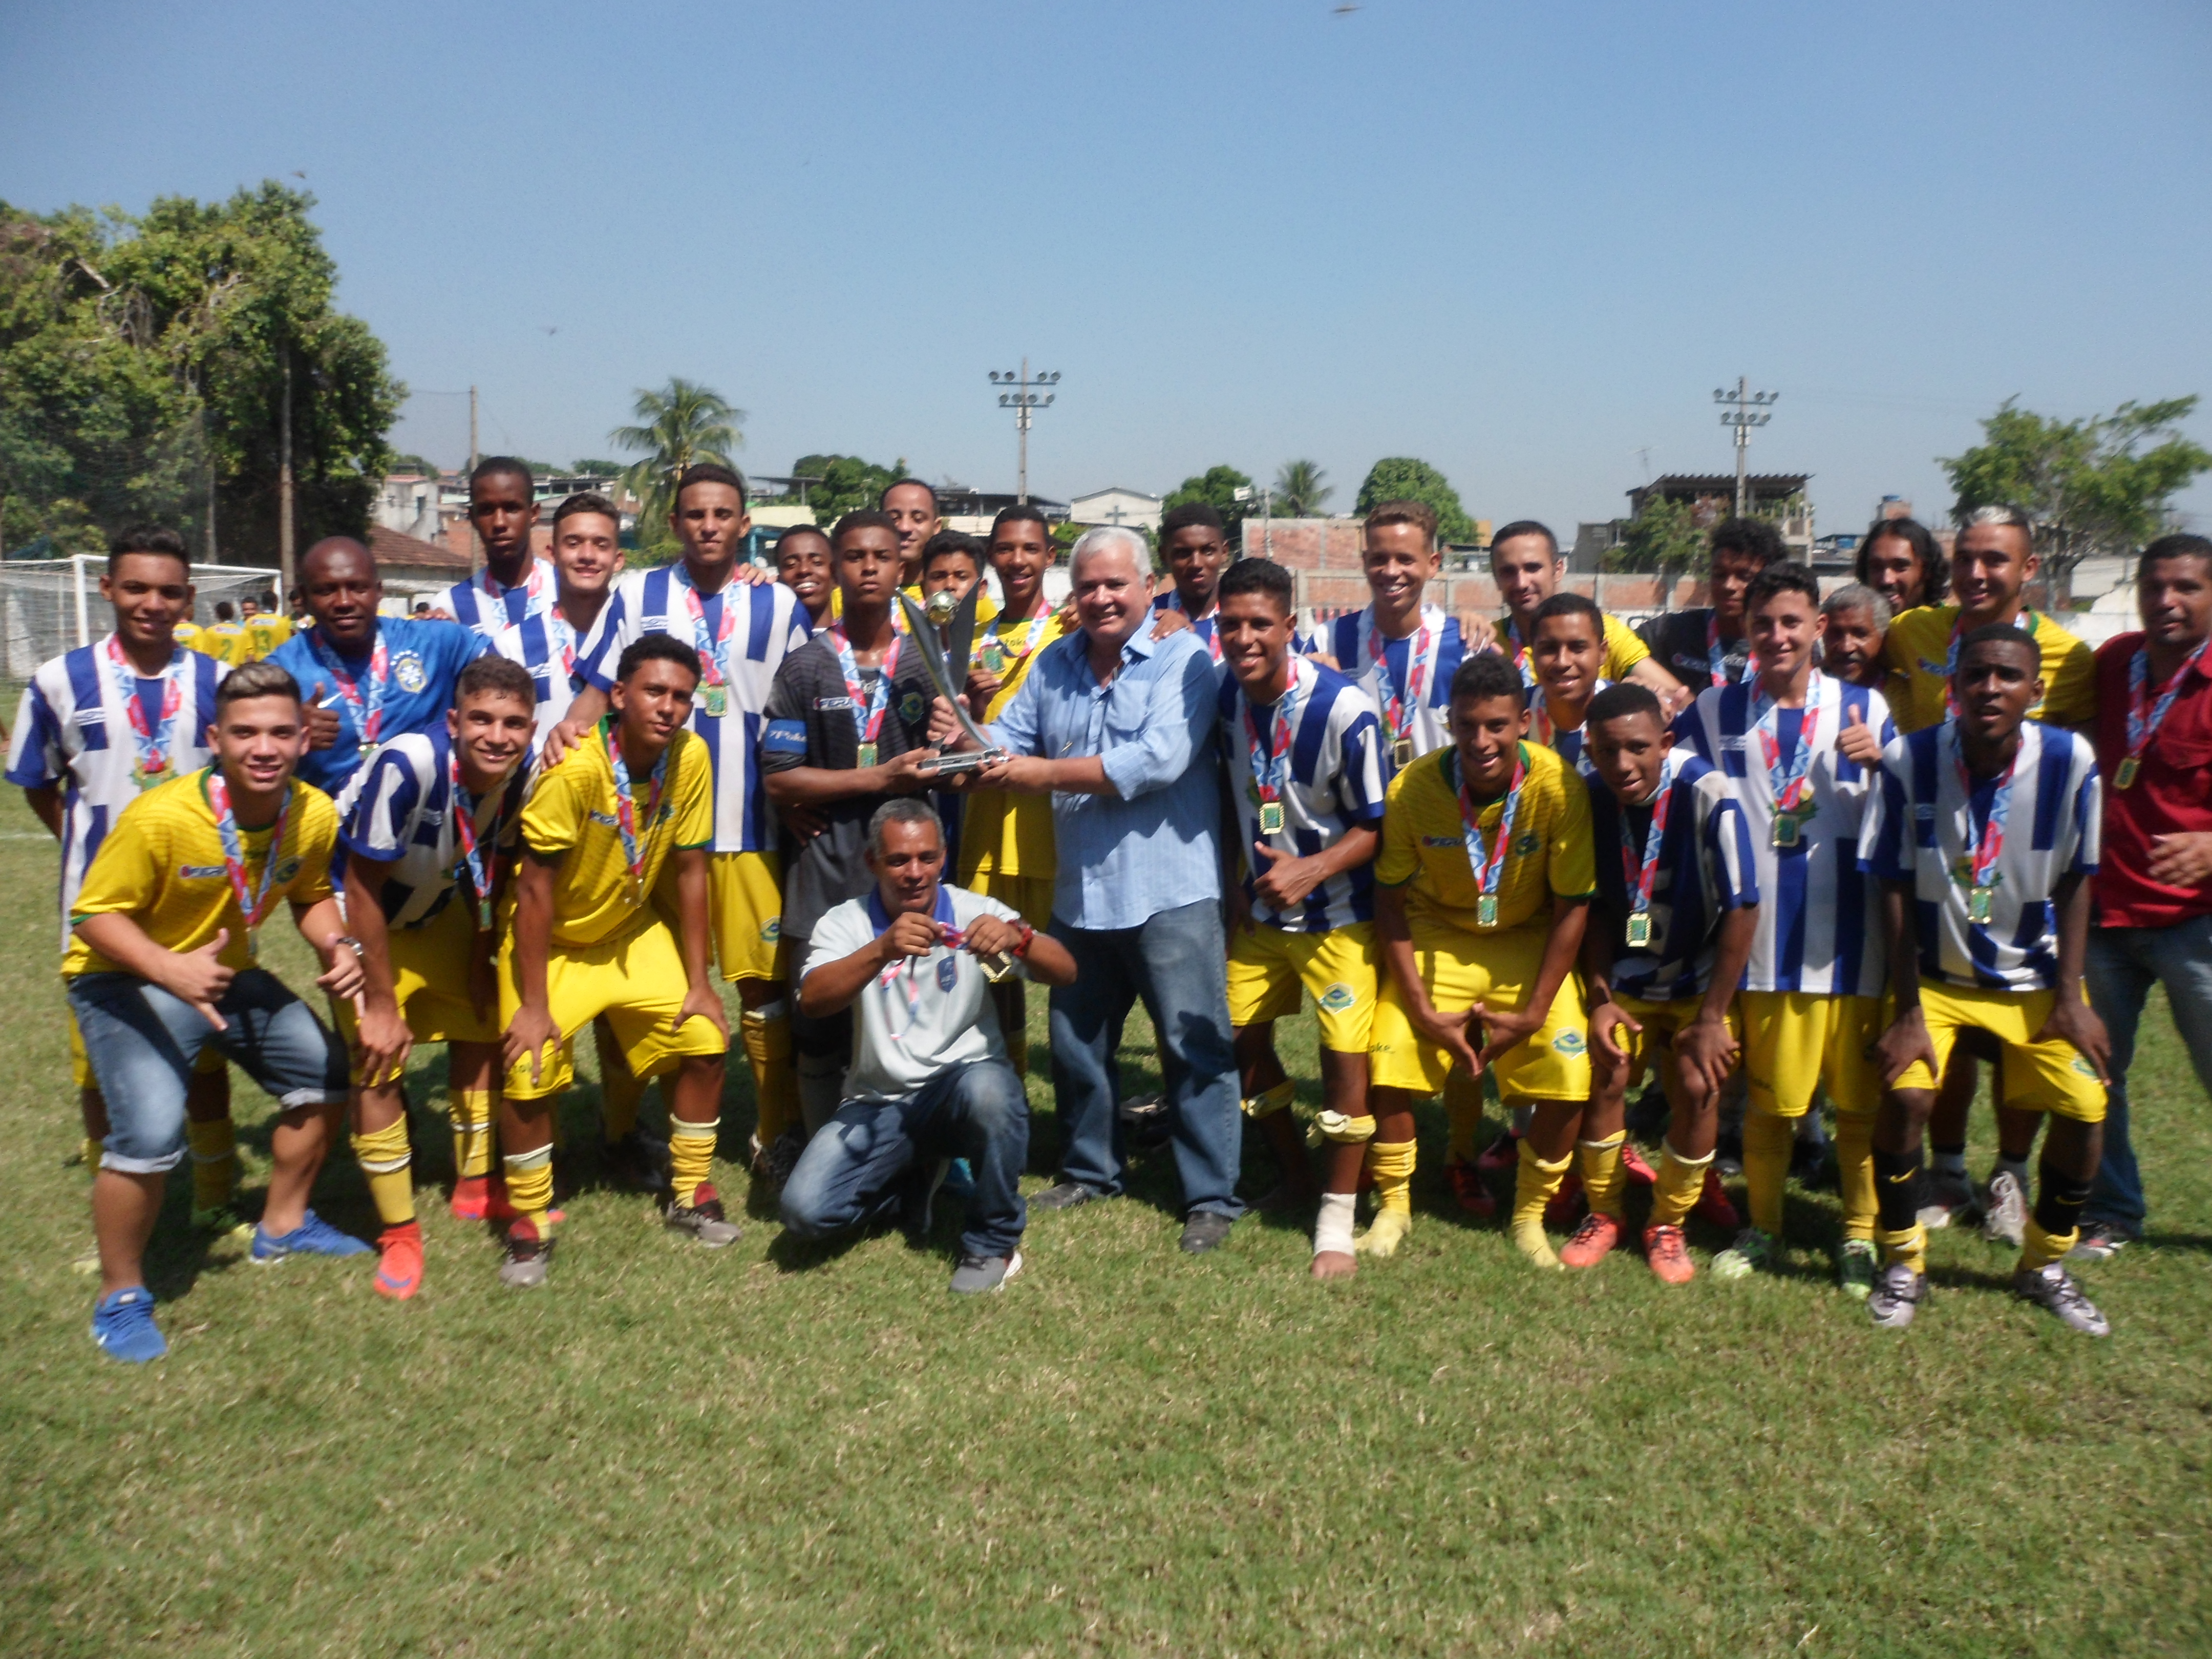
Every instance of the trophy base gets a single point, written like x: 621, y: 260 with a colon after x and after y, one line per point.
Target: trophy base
x: 966, y: 760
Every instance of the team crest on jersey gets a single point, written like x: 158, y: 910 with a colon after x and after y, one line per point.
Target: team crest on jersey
x: 1569, y: 1043
x: 1338, y: 997
x: 2084, y: 1066
x: 772, y: 931
x: 1525, y: 846
x: 910, y: 708
x: 286, y: 870
x: 408, y: 670
x: 947, y: 971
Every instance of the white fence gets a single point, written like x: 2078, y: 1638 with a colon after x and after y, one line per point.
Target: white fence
x: 49, y: 606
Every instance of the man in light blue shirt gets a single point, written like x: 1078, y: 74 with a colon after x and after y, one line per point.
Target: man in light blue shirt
x: 1119, y: 728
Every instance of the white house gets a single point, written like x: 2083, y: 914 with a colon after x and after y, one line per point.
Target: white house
x: 1117, y: 505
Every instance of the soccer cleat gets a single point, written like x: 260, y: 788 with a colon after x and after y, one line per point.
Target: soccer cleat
x: 1950, y: 1198
x: 313, y: 1236
x: 1667, y: 1254
x: 1528, y: 1238
x: 1855, y: 1268
x: 1896, y: 1296
x: 2004, y: 1211
x: 774, y: 1163
x: 472, y: 1200
x: 220, y: 1221
x: 1713, y: 1206
x: 1565, y: 1203
x: 702, y: 1217
x: 1502, y: 1153
x: 2053, y: 1288
x: 978, y: 1273
x: 527, y: 1254
x: 1592, y: 1241
x: 123, y: 1325
x: 2100, y: 1241
x: 634, y: 1163
x: 1470, y: 1190
x: 399, y: 1260
x: 1752, y: 1252
x: 1636, y: 1166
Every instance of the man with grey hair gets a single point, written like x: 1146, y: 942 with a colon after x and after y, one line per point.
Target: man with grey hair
x: 914, y: 959
x: 1119, y: 728
x: 1851, y: 649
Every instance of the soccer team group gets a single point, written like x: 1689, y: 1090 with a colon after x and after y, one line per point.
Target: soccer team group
x: 1781, y: 848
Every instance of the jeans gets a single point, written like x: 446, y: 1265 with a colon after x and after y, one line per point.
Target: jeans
x: 851, y: 1170
x: 2122, y: 963
x: 1177, y: 960
x: 142, y: 1042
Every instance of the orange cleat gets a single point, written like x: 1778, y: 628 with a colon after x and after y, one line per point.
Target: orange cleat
x: 472, y: 1200
x: 1565, y: 1203
x: 1713, y: 1206
x: 1637, y: 1165
x: 399, y: 1265
x: 1471, y: 1190
x: 1669, y: 1255
x: 1592, y: 1241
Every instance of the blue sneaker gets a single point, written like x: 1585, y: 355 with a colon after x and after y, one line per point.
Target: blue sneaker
x: 313, y: 1236
x: 123, y: 1325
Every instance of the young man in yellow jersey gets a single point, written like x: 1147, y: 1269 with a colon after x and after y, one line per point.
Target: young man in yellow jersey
x: 1482, y: 887
x: 911, y: 506
x: 163, y: 966
x: 223, y: 639
x: 632, y: 799
x: 1525, y: 563
x: 266, y: 627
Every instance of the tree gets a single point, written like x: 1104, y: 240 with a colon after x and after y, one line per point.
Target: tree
x: 849, y: 482
x: 2091, y: 486
x: 1217, y: 488
x: 598, y: 468
x: 1662, y: 540
x: 1301, y: 491
x: 681, y: 425
x: 1402, y: 478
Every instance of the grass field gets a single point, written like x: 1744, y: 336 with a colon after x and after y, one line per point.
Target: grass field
x: 777, y: 1451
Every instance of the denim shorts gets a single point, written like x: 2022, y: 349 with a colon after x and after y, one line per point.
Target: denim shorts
x: 142, y: 1042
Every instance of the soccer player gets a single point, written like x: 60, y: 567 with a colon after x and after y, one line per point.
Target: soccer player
x: 952, y: 563
x: 1483, y: 888
x: 1708, y: 646
x: 1567, y: 655
x: 1304, y: 780
x: 849, y: 713
x: 267, y: 626
x: 1404, y: 652
x: 1525, y: 563
x: 77, y: 771
x: 1798, y: 748
x: 1677, y: 911
x: 1901, y: 560
x: 1196, y: 549
x: 2153, y: 888
x: 911, y: 506
x: 587, y: 558
x: 430, y: 827
x: 1983, y: 831
x: 366, y: 678
x: 742, y: 623
x: 223, y: 639
x: 1852, y: 646
x: 929, y: 1080
x: 515, y: 601
x: 587, y: 938
x: 802, y: 564
x: 163, y: 966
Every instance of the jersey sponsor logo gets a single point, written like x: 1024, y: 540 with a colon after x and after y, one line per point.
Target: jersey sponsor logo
x: 784, y: 738
x: 1569, y: 1041
x: 606, y: 818
x: 826, y: 705
x: 1941, y: 670
x: 1338, y: 997
x: 1442, y: 840
x: 200, y: 871
x: 408, y: 670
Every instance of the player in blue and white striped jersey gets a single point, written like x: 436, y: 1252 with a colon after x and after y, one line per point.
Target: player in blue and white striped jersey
x: 98, y: 726
x: 1305, y: 785
x: 743, y: 623
x: 515, y: 601
x: 1195, y: 546
x: 1797, y: 745
x: 1984, y: 833
x: 430, y: 826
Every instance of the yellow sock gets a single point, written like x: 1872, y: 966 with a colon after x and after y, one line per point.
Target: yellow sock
x: 776, y: 1083
x: 1910, y: 1246
x: 1391, y: 1163
x: 1463, y: 1112
x: 2039, y: 1248
x: 215, y: 1162
x: 383, y: 1158
x: 1533, y: 1187
x: 1768, y: 1141
x: 690, y: 1155
x: 471, y: 1114
x: 1604, y: 1177
x: 1675, y: 1193
x: 530, y: 1186
x: 1855, y: 1171
x: 93, y: 1149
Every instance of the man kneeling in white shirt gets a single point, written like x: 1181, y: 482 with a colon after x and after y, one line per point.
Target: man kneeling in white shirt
x: 930, y: 1080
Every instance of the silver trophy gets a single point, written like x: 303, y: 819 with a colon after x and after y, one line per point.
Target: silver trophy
x: 940, y: 650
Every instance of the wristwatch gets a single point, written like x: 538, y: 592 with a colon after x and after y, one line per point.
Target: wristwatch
x: 349, y: 942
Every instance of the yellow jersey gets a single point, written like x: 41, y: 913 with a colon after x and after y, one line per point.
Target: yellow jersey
x: 1002, y: 832
x: 265, y: 633
x: 1918, y: 653
x: 571, y: 816
x: 1623, y: 650
x: 225, y: 641
x: 188, y: 635
x: 1424, y: 842
x: 163, y: 866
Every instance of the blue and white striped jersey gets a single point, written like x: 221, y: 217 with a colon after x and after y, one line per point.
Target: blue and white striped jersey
x: 74, y: 730
x: 396, y: 810
x: 1705, y: 869
x: 1208, y: 628
x: 1352, y: 639
x: 743, y: 634
x: 524, y: 624
x: 1327, y: 779
x: 1567, y: 745
x: 1917, y: 827
x: 1820, y: 918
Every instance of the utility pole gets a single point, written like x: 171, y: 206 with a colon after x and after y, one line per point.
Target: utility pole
x: 284, y: 485
x: 1743, y: 409
x: 476, y: 547
x: 1021, y: 399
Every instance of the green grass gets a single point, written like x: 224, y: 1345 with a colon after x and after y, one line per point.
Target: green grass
x: 777, y: 1451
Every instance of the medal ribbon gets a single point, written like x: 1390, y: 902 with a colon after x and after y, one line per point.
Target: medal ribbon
x: 951, y: 937
x: 1796, y: 784
x: 1270, y: 756
x: 709, y: 642
x: 2141, y: 727
x: 626, y: 808
x: 2025, y: 624
x: 480, y: 864
x: 1213, y: 640
x: 1717, y: 659
x: 1488, y: 867
x: 1033, y: 631
x: 367, y: 707
x: 867, y: 710
x: 1521, y: 660
x: 152, y: 741
x: 1982, y: 850
x: 1398, y: 709
x: 1639, y: 877
x: 535, y: 588
x: 254, y: 905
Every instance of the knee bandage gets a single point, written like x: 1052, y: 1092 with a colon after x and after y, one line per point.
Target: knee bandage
x: 1337, y: 1127
x: 1268, y: 1102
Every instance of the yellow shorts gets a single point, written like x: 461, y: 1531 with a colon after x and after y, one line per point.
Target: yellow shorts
x: 636, y: 980
x: 746, y: 891
x: 2037, y: 1077
x: 1269, y: 968
x: 1460, y: 968
x: 1795, y: 1042
x: 209, y: 1063
x: 1654, y: 1043
x: 1028, y: 897
x: 430, y: 979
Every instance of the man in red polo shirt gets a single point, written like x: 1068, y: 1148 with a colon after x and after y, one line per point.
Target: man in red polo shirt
x: 2153, y: 889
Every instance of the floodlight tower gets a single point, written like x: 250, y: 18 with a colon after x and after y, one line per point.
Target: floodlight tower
x: 1743, y: 409
x: 1023, y: 397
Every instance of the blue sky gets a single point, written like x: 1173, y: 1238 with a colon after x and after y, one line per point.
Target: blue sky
x: 1524, y: 243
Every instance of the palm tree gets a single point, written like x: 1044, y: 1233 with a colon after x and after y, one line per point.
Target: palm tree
x: 681, y: 424
x: 1301, y: 491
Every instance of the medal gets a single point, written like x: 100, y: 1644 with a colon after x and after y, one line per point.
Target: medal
x: 1640, y: 875
x: 1977, y: 904
x: 1401, y: 751
x: 2142, y: 724
x: 633, y: 848
x: 868, y: 706
x: 1486, y: 911
x: 479, y: 863
x: 1785, y: 830
x: 1488, y: 867
x: 712, y: 644
x: 2125, y: 774
x: 1399, y: 706
x: 867, y: 755
x: 1639, y: 930
x: 251, y: 904
x: 994, y: 657
x: 1271, y: 817
x: 150, y: 740
x: 1791, y: 786
x: 1982, y: 850
x: 367, y: 706
x: 1270, y: 755
x: 716, y: 701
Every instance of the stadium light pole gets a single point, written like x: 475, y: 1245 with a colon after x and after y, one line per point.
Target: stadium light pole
x: 1021, y: 396
x: 1743, y: 409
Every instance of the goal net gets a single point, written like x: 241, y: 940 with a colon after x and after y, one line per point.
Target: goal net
x: 48, y: 606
